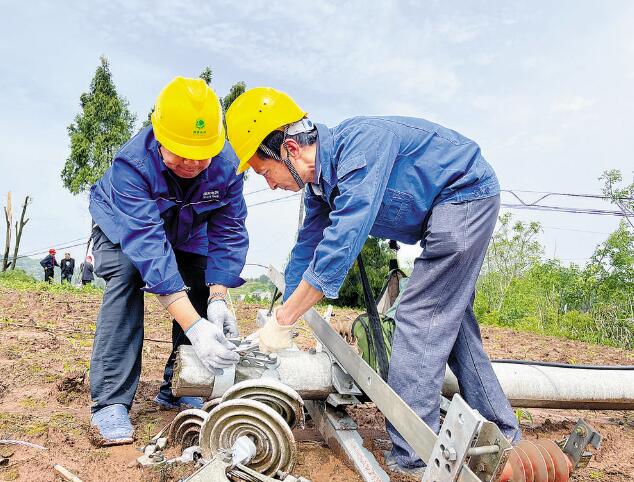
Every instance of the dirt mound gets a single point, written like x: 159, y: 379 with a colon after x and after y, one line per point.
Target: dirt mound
x: 72, y: 386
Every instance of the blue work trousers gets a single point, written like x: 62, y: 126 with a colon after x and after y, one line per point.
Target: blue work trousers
x: 436, y: 325
x: 115, y: 365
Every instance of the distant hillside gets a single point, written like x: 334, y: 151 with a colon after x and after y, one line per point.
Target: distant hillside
x: 32, y: 267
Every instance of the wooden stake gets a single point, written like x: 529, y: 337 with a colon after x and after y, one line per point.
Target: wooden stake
x: 67, y: 475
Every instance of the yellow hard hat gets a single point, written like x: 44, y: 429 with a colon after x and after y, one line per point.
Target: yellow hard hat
x: 187, y: 119
x: 254, y: 115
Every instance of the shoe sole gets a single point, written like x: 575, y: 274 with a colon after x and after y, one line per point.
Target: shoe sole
x: 119, y: 441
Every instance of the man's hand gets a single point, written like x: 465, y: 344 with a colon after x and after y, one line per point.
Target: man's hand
x: 272, y: 336
x: 218, y: 313
x: 211, y: 346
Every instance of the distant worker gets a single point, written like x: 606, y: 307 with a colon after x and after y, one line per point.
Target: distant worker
x: 68, y: 268
x: 86, y: 269
x: 398, y: 178
x: 170, y: 220
x: 49, y: 263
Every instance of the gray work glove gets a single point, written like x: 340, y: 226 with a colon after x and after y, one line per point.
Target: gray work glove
x: 219, y: 314
x: 211, y: 346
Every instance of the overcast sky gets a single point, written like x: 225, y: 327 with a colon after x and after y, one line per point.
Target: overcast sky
x: 544, y: 87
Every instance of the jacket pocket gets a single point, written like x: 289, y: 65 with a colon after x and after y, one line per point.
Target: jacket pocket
x: 394, y: 207
x: 164, y: 204
x: 203, y: 210
x: 349, y: 164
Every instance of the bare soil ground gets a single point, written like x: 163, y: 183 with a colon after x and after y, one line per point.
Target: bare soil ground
x: 44, y: 395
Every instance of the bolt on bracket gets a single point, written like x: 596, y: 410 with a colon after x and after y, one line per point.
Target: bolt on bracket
x: 583, y: 434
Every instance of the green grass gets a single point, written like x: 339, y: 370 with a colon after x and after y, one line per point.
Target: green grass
x: 20, y: 280
x: 574, y: 325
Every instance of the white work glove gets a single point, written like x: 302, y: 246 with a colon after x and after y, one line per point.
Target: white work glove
x: 211, y: 346
x: 272, y: 336
x: 219, y: 314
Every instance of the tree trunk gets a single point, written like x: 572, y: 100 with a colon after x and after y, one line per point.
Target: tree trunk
x: 18, y: 231
x: 8, y: 215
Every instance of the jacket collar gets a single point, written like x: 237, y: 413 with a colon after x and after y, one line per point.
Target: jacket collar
x: 325, y: 149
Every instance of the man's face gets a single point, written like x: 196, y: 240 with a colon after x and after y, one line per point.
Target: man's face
x: 182, y: 167
x: 276, y: 173
x: 67, y: 256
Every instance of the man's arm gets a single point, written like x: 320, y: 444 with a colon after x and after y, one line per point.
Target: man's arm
x: 310, y: 234
x: 144, y: 242
x: 228, y: 241
x: 362, y: 174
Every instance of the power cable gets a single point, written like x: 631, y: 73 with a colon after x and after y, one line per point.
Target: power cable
x: 563, y: 365
x: 256, y: 191
x: 561, y: 209
x: 274, y: 200
x: 566, y: 194
x: 41, y: 250
x: 46, y: 251
x: 256, y: 264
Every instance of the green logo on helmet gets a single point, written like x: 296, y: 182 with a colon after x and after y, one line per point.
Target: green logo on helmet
x: 199, y: 127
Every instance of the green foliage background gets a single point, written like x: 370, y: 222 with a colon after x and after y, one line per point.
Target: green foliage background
x: 376, y: 256
x: 104, y: 124
x: 594, y: 303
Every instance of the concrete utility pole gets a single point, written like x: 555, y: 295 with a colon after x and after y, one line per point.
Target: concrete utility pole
x: 8, y: 215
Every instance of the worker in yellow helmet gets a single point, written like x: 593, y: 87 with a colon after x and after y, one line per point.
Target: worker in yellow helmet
x: 169, y: 220
x: 398, y: 178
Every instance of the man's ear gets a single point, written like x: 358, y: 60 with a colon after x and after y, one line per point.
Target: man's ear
x: 292, y: 147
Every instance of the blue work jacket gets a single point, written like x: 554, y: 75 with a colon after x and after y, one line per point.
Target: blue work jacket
x: 379, y: 176
x: 139, y: 204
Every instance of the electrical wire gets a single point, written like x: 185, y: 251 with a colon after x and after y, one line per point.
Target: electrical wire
x: 563, y: 365
x: 561, y: 209
x: 41, y: 250
x: 256, y: 191
x: 46, y: 251
x: 256, y: 264
x: 566, y: 194
x: 274, y: 200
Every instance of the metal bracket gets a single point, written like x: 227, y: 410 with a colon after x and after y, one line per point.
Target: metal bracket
x: 582, y: 435
x: 345, y: 440
x: 260, y: 360
x: 458, y: 431
x: 343, y: 383
x: 489, y: 466
x: 214, y: 470
x: 337, y: 400
x: 223, y: 380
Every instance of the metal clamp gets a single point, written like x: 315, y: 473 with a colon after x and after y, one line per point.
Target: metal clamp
x: 466, y: 438
x: 582, y: 435
x: 456, y: 436
x: 258, y: 359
